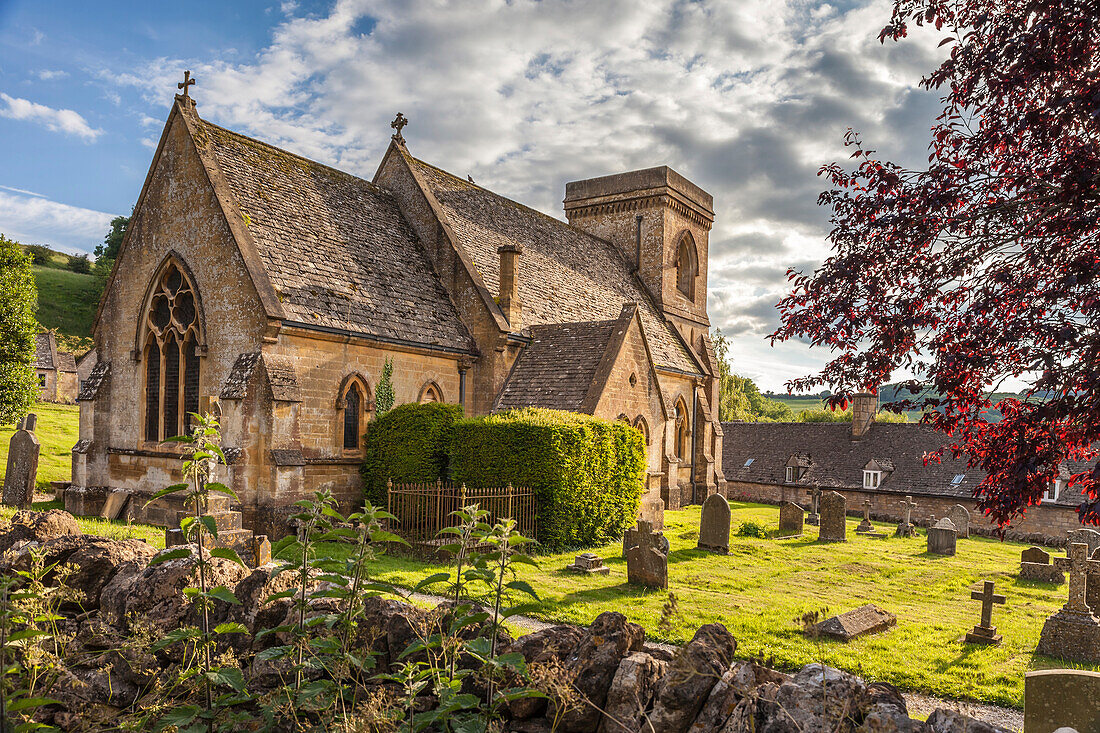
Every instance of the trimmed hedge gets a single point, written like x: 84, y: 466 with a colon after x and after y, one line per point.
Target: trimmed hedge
x: 588, y: 474
x: 408, y: 444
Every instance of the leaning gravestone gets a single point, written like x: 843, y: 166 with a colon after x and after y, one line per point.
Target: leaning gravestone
x: 942, y: 537
x: 646, y: 556
x: 833, y: 527
x: 960, y: 517
x: 22, y: 469
x: 1089, y: 537
x: 869, y: 619
x: 790, y: 519
x: 1061, y: 698
x: 1035, y: 565
x: 714, y: 525
x: 1073, y: 633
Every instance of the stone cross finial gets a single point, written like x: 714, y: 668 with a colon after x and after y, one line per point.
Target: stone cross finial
x: 1079, y: 567
x: 187, y: 82
x: 908, y: 505
x: 988, y: 598
x: 866, y: 510
x: 399, y: 122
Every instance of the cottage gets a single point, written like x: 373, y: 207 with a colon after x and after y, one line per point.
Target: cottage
x: 56, y: 370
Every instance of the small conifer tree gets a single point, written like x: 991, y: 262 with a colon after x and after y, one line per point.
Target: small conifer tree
x: 383, y: 396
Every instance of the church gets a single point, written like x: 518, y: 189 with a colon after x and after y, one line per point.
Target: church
x: 270, y: 290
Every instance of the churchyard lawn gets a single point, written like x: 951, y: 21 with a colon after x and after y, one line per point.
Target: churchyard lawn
x: 58, y: 430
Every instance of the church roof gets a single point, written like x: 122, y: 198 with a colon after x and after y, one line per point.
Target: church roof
x: 557, y: 369
x: 566, y: 276
x: 336, y: 247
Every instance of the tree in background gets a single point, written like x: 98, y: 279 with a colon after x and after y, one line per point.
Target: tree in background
x: 738, y: 397
x: 826, y: 415
x: 985, y: 266
x: 40, y: 254
x: 80, y: 264
x: 383, y: 395
x: 113, y: 240
x: 18, y: 303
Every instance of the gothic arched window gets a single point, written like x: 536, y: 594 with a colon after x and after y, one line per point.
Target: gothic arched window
x: 430, y: 392
x: 353, y: 402
x: 687, y: 266
x: 643, y: 428
x: 353, y: 409
x: 683, y: 432
x: 171, y: 354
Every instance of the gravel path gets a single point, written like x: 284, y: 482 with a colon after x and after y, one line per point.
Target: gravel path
x: 919, y: 705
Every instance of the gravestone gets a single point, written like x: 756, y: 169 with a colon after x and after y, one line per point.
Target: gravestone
x: 1035, y: 565
x: 1073, y: 633
x: 589, y: 563
x: 652, y: 509
x: 905, y: 527
x: 960, y: 517
x: 942, y: 537
x: 261, y: 550
x: 714, y: 525
x: 985, y: 632
x: 791, y: 517
x: 1092, y: 590
x: 1061, y: 698
x: 815, y: 499
x: 833, y: 527
x: 22, y: 469
x: 869, y: 619
x: 646, y: 556
x: 1089, y: 537
x: 115, y: 504
x: 866, y: 526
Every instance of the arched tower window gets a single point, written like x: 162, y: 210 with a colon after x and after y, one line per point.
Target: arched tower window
x: 353, y: 408
x: 430, y: 392
x: 687, y: 266
x: 353, y: 402
x: 683, y: 432
x: 171, y: 353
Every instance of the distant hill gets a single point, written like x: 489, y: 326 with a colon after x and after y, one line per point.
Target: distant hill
x: 67, y: 301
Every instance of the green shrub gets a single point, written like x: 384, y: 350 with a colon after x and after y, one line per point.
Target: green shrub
x: 408, y: 444
x: 752, y: 528
x: 587, y: 474
x: 821, y: 414
x: 81, y: 264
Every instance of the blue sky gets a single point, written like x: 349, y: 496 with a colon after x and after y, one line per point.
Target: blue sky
x: 747, y: 98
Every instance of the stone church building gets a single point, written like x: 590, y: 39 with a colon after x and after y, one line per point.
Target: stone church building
x: 269, y: 290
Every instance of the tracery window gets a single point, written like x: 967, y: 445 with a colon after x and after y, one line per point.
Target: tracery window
x: 171, y: 354
x: 687, y: 266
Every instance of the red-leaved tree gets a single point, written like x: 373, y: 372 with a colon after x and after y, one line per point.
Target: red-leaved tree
x: 985, y: 267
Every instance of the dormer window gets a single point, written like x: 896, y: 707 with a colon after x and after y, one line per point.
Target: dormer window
x: 1055, y: 488
x: 790, y: 474
x: 872, y: 479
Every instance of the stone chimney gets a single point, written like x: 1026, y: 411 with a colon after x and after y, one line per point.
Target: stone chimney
x: 864, y: 407
x: 509, y: 284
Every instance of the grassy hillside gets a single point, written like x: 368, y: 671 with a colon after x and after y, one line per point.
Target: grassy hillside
x: 58, y: 429
x: 66, y: 300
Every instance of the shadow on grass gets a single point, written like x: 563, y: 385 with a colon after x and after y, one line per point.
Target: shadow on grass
x: 933, y: 556
x: 622, y: 590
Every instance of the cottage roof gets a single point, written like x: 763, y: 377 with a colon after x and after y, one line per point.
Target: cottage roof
x: 44, y: 349
x: 335, y: 247
x: 566, y: 275
x: 838, y: 461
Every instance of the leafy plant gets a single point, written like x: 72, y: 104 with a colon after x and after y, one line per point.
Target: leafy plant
x: 383, y: 395
x: 18, y: 303
x: 752, y: 528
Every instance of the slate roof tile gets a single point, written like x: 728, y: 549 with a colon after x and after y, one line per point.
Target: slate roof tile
x: 43, y: 351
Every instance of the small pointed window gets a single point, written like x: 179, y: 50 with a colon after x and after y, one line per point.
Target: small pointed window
x: 353, y: 407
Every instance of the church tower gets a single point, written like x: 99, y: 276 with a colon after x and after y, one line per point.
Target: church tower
x: 660, y: 221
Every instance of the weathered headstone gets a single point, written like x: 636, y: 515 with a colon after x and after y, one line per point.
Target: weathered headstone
x: 646, y: 556
x: 714, y: 525
x: 1056, y: 699
x: 261, y: 550
x: 833, y: 527
x: 1073, y: 633
x: 814, y: 518
x: 905, y: 527
x: 865, y: 525
x: 652, y: 509
x: 1035, y: 565
x: 22, y: 469
x: 960, y: 517
x: 1092, y: 589
x: 791, y: 517
x: 1089, y: 537
x: 869, y: 619
x: 589, y: 563
x: 115, y: 504
x: 985, y: 632
x: 942, y: 537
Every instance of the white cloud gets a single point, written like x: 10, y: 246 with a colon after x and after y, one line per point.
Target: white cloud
x: 34, y: 219
x: 54, y: 120
x: 746, y: 99
x: 52, y: 74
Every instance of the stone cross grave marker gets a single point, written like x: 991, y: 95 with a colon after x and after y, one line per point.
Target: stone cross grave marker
x: 985, y: 632
x: 833, y: 527
x: 714, y: 525
x: 960, y: 517
x: 1087, y: 536
x: 22, y: 467
x: 815, y: 497
x: 790, y: 519
x: 942, y: 537
x: 865, y: 525
x: 646, y: 556
x: 905, y: 527
x: 1073, y: 633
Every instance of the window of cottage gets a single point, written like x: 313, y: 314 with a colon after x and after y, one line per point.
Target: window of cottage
x: 353, y: 407
x: 1053, y: 489
x: 871, y: 479
x: 172, y: 365
x: 687, y: 267
x: 790, y: 474
x: 42, y: 380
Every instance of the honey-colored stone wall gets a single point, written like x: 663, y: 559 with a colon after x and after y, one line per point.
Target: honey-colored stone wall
x: 642, y: 399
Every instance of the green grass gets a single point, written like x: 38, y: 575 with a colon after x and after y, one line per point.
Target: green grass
x: 66, y: 300
x: 58, y: 430
x: 116, y: 530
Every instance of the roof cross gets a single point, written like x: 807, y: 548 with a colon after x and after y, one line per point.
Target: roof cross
x: 988, y: 598
x: 399, y: 122
x: 187, y: 82
x: 1079, y: 566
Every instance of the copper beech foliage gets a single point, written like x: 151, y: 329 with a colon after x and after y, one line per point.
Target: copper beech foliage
x: 983, y: 267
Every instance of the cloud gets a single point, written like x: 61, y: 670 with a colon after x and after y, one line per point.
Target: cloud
x: 52, y: 74
x: 34, y: 219
x: 747, y: 99
x: 54, y: 120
